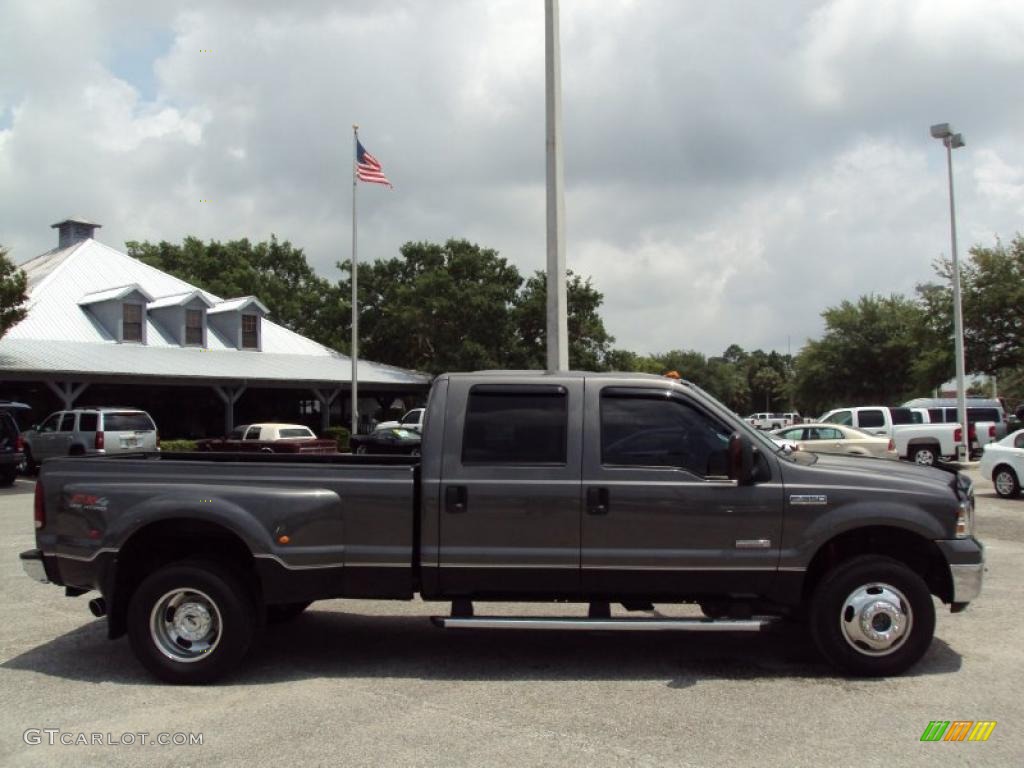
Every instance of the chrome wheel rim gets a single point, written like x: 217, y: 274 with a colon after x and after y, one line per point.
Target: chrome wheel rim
x: 925, y: 457
x: 1004, y: 483
x: 185, y: 625
x: 876, y: 619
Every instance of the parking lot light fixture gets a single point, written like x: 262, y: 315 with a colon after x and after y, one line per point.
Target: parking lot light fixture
x: 951, y: 141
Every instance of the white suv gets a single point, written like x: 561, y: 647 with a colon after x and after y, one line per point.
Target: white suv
x: 90, y: 430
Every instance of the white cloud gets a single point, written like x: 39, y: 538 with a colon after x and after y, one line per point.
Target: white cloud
x: 732, y: 168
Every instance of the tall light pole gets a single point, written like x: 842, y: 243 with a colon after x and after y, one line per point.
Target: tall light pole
x: 952, y: 141
x: 557, y: 312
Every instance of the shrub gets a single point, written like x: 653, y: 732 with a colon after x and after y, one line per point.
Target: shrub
x: 178, y: 445
x: 339, y: 435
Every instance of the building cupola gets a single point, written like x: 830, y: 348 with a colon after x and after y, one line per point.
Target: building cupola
x: 74, y: 230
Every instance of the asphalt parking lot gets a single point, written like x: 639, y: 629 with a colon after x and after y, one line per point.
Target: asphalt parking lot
x: 366, y: 683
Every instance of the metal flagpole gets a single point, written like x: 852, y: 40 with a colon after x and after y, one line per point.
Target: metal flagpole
x: 354, y: 356
x: 557, y: 318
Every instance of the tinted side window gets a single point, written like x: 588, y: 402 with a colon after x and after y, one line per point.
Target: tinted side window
x: 87, y: 422
x: 637, y: 431
x: 517, y: 427
x: 50, y: 425
x: 253, y: 433
x: 67, y: 422
x: 873, y: 418
x: 936, y: 415
x: 8, y: 429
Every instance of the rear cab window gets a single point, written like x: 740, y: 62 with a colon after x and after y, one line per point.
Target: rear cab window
x: 871, y: 418
x: 514, y: 425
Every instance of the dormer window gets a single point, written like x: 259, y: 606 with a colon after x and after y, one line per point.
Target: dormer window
x: 238, y: 322
x: 131, y: 327
x: 194, y: 327
x: 119, y: 311
x: 250, y: 332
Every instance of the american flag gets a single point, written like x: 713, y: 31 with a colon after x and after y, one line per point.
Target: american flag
x: 368, y: 167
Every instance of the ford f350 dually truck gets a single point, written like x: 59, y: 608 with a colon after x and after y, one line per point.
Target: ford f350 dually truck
x: 532, y: 487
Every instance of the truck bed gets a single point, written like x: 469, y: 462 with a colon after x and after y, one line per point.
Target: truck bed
x: 316, y: 526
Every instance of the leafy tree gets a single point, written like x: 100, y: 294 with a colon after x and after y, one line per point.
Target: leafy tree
x: 275, y: 272
x: 992, y: 289
x: 438, y: 307
x: 866, y: 356
x: 589, y: 342
x: 13, y: 287
x: 769, y: 384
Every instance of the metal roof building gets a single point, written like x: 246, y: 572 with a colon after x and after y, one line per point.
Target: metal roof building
x: 97, y: 316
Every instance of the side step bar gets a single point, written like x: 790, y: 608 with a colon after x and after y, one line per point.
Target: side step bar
x: 615, y: 625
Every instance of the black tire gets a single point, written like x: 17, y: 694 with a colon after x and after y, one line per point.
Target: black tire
x: 279, y: 614
x: 76, y: 450
x: 215, y: 592
x: 8, y: 476
x: 1006, y: 482
x: 877, y: 581
x: 31, y: 468
x: 925, y: 455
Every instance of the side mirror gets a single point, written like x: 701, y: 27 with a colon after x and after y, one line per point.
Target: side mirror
x: 741, y: 459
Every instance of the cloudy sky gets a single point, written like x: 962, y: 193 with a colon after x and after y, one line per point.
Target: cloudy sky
x: 732, y: 168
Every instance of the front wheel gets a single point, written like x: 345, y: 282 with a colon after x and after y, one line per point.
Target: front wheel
x: 872, y: 616
x: 191, y: 622
x: 1006, y: 482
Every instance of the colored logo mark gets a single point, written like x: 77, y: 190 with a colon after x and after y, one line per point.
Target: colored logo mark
x: 958, y: 730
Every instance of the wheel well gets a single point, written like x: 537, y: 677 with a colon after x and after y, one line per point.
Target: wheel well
x: 916, y: 552
x: 157, y: 544
x: 1003, y: 465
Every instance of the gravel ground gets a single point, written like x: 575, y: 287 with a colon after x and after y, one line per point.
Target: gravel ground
x: 373, y: 683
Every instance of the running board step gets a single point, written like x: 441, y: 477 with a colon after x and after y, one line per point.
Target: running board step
x: 614, y: 625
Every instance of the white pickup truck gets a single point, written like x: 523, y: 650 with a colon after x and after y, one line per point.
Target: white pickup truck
x: 912, y: 440
x: 926, y: 443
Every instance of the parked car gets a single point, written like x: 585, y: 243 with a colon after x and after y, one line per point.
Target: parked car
x: 873, y: 419
x: 81, y: 431
x: 12, y: 445
x: 942, y: 410
x: 926, y: 444
x: 833, y: 438
x: 529, y: 490
x: 270, y: 437
x: 411, y: 420
x: 1003, y: 461
x: 388, y: 440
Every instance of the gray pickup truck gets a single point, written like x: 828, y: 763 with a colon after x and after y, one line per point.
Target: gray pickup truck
x: 587, y: 488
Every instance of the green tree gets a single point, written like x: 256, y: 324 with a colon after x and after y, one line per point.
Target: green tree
x: 992, y: 288
x: 866, y: 356
x: 767, y: 385
x: 438, y: 307
x: 589, y: 342
x: 275, y: 272
x: 13, y: 287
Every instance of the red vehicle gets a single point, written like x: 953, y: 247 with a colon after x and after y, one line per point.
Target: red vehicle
x: 270, y: 438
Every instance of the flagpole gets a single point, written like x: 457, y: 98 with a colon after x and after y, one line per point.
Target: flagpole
x: 354, y: 357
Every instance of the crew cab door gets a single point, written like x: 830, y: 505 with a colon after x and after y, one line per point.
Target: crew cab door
x: 509, y: 506
x: 661, y: 517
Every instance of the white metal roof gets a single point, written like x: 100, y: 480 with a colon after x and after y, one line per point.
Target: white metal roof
x: 113, y: 293
x: 236, y: 305
x: 179, y: 300
x: 59, y: 336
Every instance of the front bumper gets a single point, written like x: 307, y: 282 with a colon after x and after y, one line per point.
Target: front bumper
x: 966, y: 560
x: 32, y: 562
